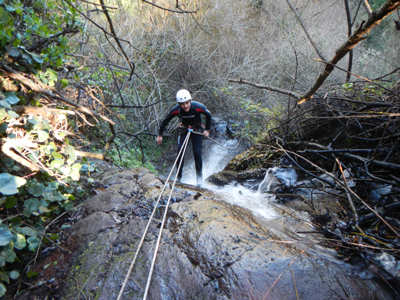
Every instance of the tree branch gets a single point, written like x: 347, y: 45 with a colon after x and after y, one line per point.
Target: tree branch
x: 266, y: 87
x: 367, y: 7
x: 174, y: 11
x: 129, y: 62
x: 387, y: 8
x: 305, y: 30
x: 18, y: 76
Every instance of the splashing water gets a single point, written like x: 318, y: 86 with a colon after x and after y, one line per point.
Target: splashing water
x: 215, y: 158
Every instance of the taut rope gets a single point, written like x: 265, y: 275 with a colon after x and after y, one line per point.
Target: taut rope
x: 182, y: 150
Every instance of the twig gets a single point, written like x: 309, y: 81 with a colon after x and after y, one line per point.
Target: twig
x: 367, y: 7
x: 174, y: 11
x: 266, y: 87
x: 266, y: 295
x: 305, y: 30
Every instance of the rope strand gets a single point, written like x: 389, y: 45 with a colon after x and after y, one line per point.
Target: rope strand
x: 151, y: 217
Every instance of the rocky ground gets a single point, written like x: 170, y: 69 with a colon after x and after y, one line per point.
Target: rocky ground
x: 210, y: 249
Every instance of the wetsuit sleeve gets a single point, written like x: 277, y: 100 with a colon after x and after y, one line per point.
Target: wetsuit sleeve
x: 172, y: 113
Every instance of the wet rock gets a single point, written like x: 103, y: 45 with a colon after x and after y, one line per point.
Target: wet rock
x: 209, y: 250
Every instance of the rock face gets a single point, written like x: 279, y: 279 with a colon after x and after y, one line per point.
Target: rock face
x: 209, y: 250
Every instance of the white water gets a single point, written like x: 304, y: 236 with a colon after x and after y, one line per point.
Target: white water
x: 215, y: 158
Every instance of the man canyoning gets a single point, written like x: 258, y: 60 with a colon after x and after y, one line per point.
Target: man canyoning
x: 189, y: 113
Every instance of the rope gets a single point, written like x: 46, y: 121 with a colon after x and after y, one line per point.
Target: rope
x: 229, y: 148
x: 164, y: 218
x: 184, y: 146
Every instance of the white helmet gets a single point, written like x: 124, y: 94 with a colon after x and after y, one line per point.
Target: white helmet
x: 183, y: 96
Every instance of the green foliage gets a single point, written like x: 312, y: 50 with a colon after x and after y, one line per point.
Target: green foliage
x: 33, y: 38
x: 19, y: 233
x: 42, y: 25
x: 129, y: 159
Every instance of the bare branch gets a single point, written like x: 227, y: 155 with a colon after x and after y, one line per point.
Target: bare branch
x: 129, y: 62
x: 367, y: 7
x: 18, y: 76
x: 305, y: 30
x: 174, y: 11
x: 265, y: 87
x: 387, y: 8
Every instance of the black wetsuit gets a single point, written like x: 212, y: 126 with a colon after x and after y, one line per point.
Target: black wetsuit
x: 190, y: 119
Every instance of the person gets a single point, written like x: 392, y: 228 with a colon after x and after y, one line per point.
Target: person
x: 189, y: 113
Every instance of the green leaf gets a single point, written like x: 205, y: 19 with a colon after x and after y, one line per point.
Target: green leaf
x: 32, y: 204
x: 14, y: 274
x: 34, y: 243
x: 3, y: 128
x: 11, y: 201
x: 19, y: 241
x: 46, y: 266
x: 14, y: 52
x: 33, y: 121
x: 9, y: 184
x: 4, y: 103
x: 5, y: 236
x: 64, y: 82
x: 56, y: 163
x: 13, y: 114
x: 31, y: 274
x: 44, y: 209
x: 37, y: 189
x: 70, y: 151
x: 11, y: 98
x: 4, y: 277
x: 42, y: 135
x: 68, y: 205
x: 29, y: 231
x: 57, y: 155
x: 8, y: 254
x: 3, y: 290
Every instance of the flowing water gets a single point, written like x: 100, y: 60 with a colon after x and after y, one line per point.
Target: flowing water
x: 255, y: 197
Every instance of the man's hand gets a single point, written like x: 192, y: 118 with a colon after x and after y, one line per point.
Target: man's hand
x: 159, y: 139
x: 206, y: 133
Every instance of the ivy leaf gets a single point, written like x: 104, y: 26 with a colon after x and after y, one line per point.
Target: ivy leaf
x: 3, y: 290
x: 4, y: 103
x: 70, y: 151
x: 11, y: 98
x: 75, y: 168
x: 8, y: 254
x: 3, y: 127
x: 44, y: 209
x: 14, y: 274
x: 42, y: 135
x: 13, y: 114
x: 14, y: 52
x: 32, y: 204
x: 5, y: 236
x: 4, y: 277
x: 19, y: 241
x: 56, y: 163
x: 28, y: 231
x: 68, y: 205
x: 57, y: 155
x: 34, y: 243
x: 9, y: 184
x: 37, y: 189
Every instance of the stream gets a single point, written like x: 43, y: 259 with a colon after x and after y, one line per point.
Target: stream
x: 228, y: 242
